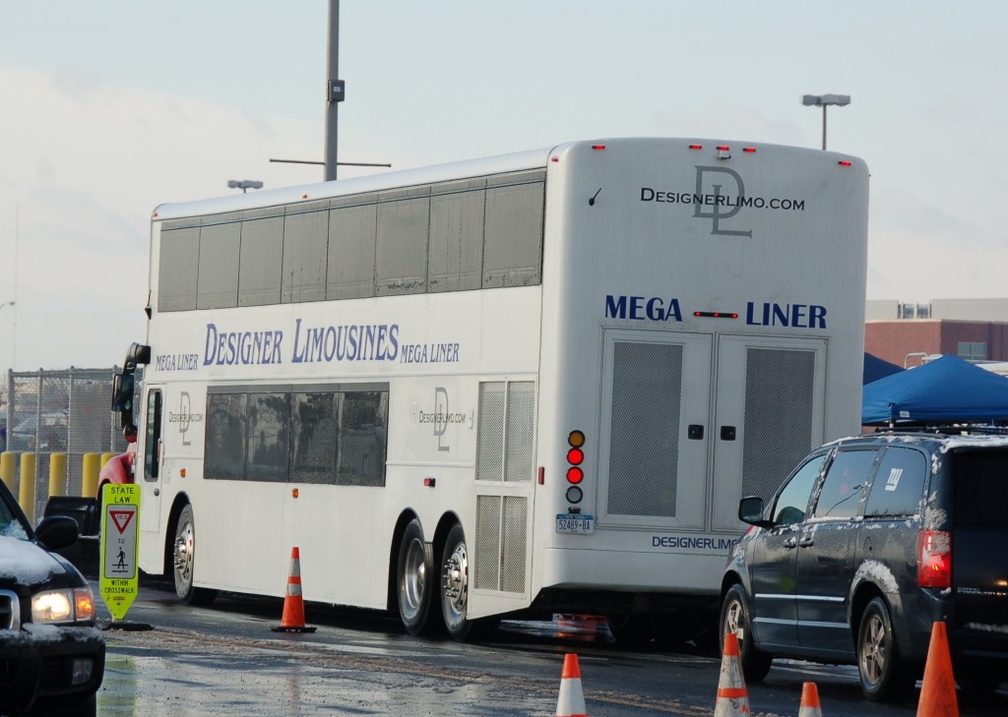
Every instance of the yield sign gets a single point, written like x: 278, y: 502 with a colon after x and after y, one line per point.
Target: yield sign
x: 121, y: 518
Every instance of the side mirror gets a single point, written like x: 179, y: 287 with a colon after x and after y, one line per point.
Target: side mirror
x: 123, y: 385
x: 57, y: 531
x: 750, y: 510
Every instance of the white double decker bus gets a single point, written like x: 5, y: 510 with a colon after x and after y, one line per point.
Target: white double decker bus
x: 536, y: 382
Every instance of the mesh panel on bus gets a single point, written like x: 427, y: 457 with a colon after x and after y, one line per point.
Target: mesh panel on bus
x: 779, y: 392
x: 501, y: 544
x: 490, y: 432
x: 488, y: 514
x: 520, y: 431
x: 644, y: 435
x: 513, y: 559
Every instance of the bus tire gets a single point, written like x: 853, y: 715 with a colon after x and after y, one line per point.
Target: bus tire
x: 414, y: 576
x: 183, y: 561
x: 455, y: 584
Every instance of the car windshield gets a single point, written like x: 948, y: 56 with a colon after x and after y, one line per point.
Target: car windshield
x: 10, y: 523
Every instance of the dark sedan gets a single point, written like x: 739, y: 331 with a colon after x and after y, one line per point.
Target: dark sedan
x: 52, y: 656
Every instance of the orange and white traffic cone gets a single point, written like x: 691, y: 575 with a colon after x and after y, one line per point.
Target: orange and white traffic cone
x: 293, y: 608
x: 809, y: 701
x: 571, y: 702
x: 732, y: 695
x: 938, y: 691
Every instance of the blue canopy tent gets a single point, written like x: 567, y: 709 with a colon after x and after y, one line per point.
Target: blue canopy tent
x: 948, y: 390
x: 876, y: 368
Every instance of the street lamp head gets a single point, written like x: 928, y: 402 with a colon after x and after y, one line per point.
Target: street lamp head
x: 825, y: 100
x: 244, y: 184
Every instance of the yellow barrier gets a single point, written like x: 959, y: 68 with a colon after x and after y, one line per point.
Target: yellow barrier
x: 57, y: 474
x: 89, y: 484
x: 26, y: 487
x: 8, y: 469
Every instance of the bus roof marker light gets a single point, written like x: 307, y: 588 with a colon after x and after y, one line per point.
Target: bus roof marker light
x: 844, y: 163
x: 696, y: 146
x: 750, y: 150
x: 598, y: 146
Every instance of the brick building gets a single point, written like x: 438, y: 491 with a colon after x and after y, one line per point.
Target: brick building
x: 906, y: 333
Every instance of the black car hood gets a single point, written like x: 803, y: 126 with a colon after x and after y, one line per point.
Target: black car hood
x: 23, y: 564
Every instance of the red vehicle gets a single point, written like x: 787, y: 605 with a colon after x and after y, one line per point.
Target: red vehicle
x: 119, y: 469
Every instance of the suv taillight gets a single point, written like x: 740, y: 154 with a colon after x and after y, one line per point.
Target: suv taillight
x: 934, y: 559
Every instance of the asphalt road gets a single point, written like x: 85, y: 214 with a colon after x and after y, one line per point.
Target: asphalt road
x: 226, y: 660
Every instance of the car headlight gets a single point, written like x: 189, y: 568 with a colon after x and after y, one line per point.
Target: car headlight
x: 63, y: 606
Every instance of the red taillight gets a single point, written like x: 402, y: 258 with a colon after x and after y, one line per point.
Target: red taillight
x: 934, y: 559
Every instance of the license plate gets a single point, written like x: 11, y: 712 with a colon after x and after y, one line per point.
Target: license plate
x: 574, y: 523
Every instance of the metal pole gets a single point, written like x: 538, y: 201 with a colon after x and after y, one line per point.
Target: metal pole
x: 332, y: 103
x: 824, y: 127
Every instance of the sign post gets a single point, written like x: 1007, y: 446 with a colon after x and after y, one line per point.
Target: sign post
x: 120, y: 577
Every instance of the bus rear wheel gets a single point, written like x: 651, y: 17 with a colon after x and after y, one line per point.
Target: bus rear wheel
x: 455, y: 584
x: 183, y: 560
x: 414, y: 575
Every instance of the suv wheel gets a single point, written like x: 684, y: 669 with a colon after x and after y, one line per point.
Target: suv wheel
x: 883, y: 677
x: 736, y: 618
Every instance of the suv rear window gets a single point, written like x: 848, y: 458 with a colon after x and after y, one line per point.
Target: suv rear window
x: 898, y: 486
x: 981, y: 489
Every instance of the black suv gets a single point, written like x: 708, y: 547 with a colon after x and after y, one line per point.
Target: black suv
x: 869, y: 542
x: 51, y: 654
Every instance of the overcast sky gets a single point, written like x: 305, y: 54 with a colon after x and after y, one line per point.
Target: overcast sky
x: 110, y: 108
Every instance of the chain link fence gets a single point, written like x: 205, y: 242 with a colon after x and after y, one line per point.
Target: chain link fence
x: 66, y: 411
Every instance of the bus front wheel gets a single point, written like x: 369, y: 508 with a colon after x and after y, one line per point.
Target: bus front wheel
x: 414, y: 575
x: 183, y: 560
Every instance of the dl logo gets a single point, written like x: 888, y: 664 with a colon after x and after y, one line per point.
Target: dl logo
x: 717, y: 205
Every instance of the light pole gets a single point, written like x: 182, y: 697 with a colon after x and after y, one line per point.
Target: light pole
x: 4, y: 305
x: 825, y: 101
x: 244, y: 184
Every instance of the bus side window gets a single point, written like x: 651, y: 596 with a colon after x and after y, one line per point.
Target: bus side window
x: 152, y: 439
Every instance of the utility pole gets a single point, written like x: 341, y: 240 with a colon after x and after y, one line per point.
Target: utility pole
x: 335, y: 92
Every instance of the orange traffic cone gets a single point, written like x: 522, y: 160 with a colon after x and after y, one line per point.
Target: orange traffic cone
x: 571, y: 702
x: 293, y: 609
x: 732, y: 695
x: 809, y: 701
x: 938, y: 692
